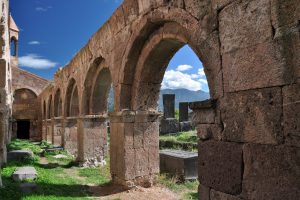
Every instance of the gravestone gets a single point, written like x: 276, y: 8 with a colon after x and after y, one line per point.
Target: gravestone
x: 169, y: 105
x: 183, y: 111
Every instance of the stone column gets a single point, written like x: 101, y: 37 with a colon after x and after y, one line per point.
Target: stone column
x: 71, y: 135
x: 44, y: 130
x: 169, y: 105
x: 49, y: 131
x: 134, y: 147
x: 92, y: 139
x: 58, y: 131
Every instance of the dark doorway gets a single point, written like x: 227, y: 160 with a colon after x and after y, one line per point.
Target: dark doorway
x: 23, y: 129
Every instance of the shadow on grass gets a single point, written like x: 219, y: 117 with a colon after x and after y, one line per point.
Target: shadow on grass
x: 56, y: 165
x: 11, y: 191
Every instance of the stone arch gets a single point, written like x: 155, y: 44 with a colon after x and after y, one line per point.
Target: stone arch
x: 50, y: 111
x: 167, y: 35
x: 57, y: 103
x: 24, y: 93
x: 72, y: 99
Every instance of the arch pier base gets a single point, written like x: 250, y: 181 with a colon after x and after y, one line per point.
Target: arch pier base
x: 49, y: 132
x: 44, y: 130
x: 92, y: 139
x: 71, y: 135
x: 134, y: 147
x: 58, y: 131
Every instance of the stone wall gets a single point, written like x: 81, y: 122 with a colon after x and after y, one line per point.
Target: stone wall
x: 5, y: 82
x: 250, y: 51
x: 26, y: 87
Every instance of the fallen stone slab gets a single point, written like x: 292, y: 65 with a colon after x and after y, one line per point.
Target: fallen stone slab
x: 28, y: 187
x: 183, y: 164
x: 19, y: 155
x: 60, y: 156
x: 24, y: 173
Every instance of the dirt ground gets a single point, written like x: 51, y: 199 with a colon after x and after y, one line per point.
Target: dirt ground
x: 112, y: 193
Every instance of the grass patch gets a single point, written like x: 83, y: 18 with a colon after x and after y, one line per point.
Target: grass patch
x: 182, y: 140
x: 186, y: 190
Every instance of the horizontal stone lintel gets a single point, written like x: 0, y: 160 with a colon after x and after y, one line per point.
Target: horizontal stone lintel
x: 210, y: 103
x: 129, y: 116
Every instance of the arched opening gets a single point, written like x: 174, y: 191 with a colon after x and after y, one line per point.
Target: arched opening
x: 13, y: 46
x: 57, y: 104
x: 25, y: 100
x: 72, y: 100
x: 50, y: 108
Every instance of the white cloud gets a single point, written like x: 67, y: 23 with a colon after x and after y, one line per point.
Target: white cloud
x: 43, y: 9
x: 176, y: 80
x: 201, y: 72
x: 34, y: 43
x: 183, y: 68
x: 36, y: 62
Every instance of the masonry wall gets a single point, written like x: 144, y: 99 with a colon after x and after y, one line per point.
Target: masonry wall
x: 5, y: 82
x: 26, y: 87
x: 249, y: 132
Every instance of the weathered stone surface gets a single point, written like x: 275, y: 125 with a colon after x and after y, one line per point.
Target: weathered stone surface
x: 179, y: 163
x: 291, y: 115
x: 208, y: 131
x: 236, y: 24
x: 271, y: 172
x: 204, y: 116
x: 24, y: 173
x: 169, y: 126
x: 253, y: 116
x: 285, y: 12
x: 203, y: 192
x: 241, y: 68
x: 183, y: 111
x: 186, y: 126
x: 220, y: 166
x: 19, y: 155
x: 215, y: 195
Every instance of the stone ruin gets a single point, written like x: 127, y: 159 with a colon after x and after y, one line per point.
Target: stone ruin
x: 249, y: 132
x: 169, y: 124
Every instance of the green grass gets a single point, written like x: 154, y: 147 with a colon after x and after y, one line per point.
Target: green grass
x: 181, y: 140
x: 186, y: 190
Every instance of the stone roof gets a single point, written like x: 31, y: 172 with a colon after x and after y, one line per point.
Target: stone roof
x: 12, y: 24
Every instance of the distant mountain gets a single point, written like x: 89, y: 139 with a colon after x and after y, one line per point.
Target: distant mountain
x: 181, y: 95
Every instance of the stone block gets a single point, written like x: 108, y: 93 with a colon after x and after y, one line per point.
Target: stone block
x: 236, y: 24
x: 271, y: 172
x: 208, y: 131
x: 179, y: 163
x: 169, y: 126
x: 203, y: 192
x: 183, y: 111
x: 186, y: 126
x: 241, y: 68
x: 169, y: 105
x: 204, y: 116
x: 215, y: 195
x: 253, y: 116
x: 291, y: 114
x: 221, y: 166
x: 19, y: 155
x: 285, y: 12
x: 24, y: 173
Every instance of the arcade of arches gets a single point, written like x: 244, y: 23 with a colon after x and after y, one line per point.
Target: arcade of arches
x: 249, y: 132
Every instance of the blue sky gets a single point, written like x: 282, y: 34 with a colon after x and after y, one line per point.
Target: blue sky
x: 52, y: 31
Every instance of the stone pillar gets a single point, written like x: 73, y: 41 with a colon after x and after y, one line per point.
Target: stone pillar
x: 169, y: 105
x: 49, y: 131
x: 44, y: 130
x: 71, y: 135
x: 134, y: 147
x: 58, y: 131
x: 92, y: 139
x: 183, y: 111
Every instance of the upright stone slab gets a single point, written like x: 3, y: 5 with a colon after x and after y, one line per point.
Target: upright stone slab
x: 169, y: 105
x: 183, y: 111
x: 58, y: 131
x: 70, y: 136
x: 92, y: 138
x: 134, y: 147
